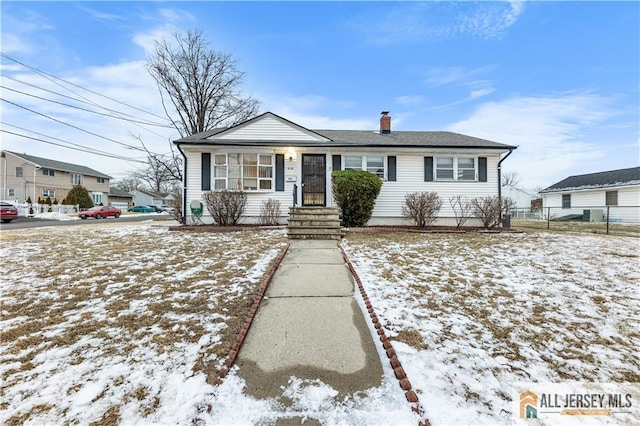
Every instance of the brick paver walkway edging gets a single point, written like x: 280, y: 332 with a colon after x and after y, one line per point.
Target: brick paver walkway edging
x: 239, y: 340
x: 399, y: 372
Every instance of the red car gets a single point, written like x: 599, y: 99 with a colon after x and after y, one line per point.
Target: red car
x: 99, y: 212
x: 7, y: 212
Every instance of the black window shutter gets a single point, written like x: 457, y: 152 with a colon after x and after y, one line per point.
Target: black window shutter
x: 391, y: 168
x: 428, y: 169
x: 337, y: 162
x: 206, y: 171
x: 482, y: 169
x: 279, y: 172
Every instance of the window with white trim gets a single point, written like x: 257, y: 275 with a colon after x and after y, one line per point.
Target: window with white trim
x: 12, y: 193
x: 97, y: 197
x: 19, y: 172
x: 456, y: 168
x: 48, y: 172
x: 243, y: 171
x: 76, y: 179
x: 101, y: 180
x: 48, y: 193
x: 371, y: 163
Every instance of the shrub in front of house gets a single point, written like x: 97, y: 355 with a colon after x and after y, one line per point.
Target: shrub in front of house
x: 80, y: 196
x: 269, y: 212
x: 355, y: 192
x: 226, y: 207
x: 487, y: 209
x: 422, y: 208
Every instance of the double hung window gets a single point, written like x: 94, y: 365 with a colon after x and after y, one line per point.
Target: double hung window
x: 456, y: 168
x: 371, y: 163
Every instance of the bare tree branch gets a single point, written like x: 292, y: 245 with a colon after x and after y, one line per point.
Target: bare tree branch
x: 202, y: 84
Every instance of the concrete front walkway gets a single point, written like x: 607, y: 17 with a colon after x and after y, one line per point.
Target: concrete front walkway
x: 310, y: 326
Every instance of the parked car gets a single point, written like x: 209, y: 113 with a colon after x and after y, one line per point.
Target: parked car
x: 99, y: 212
x: 8, y: 212
x: 144, y: 209
x: 168, y: 209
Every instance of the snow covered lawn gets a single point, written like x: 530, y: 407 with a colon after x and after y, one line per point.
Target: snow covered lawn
x: 474, y: 313
x: 112, y: 323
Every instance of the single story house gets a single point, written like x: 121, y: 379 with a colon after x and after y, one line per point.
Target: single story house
x: 270, y: 157
x: 25, y: 176
x: 142, y: 197
x: 119, y: 198
x: 520, y: 197
x: 592, y: 195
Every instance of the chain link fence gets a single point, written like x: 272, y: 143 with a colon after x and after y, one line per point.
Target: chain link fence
x: 615, y: 220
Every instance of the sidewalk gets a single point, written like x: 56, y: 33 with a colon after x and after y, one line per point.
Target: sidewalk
x: 310, y: 326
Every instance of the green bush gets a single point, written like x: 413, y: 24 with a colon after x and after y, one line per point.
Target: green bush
x: 355, y: 192
x: 80, y: 196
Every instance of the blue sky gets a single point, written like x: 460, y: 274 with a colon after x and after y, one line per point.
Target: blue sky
x: 558, y: 79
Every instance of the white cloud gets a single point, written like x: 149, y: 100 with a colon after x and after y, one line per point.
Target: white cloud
x: 456, y: 75
x: 409, y: 101
x: 426, y: 21
x: 551, y: 132
x: 303, y: 110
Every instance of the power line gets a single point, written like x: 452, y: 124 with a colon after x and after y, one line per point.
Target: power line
x: 44, y: 73
x: 75, y: 149
x: 72, y: 126
x: 84, y: 148
x: 87, y: 110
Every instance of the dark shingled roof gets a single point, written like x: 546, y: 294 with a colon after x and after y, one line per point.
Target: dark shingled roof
x: 115, y: 192
x: 598, y: 180
x: 59, y: 165
x: 356, y: 138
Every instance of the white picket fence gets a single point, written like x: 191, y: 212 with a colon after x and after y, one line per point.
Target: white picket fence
x: 24, y: 209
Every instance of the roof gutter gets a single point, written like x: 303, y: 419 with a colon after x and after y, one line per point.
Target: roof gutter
x: 184, y: 185
x: 500, y: 179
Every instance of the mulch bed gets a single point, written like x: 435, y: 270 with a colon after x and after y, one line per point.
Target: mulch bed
x: 364, y: 229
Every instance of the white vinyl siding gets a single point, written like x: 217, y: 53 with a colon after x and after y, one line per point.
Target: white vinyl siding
x: 268, y: 128
x: 410, y: 178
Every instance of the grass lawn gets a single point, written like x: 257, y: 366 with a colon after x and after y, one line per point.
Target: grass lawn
x: 126, y: 323
x: 108, y: 322
x: 474, y: 313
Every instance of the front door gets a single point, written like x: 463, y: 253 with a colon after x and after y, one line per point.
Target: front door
x: 314, y: 179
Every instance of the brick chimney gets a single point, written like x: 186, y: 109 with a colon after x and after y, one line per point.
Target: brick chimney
x: 385, y: 123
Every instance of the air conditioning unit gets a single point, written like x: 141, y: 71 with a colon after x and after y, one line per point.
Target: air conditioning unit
x: 597, y: 215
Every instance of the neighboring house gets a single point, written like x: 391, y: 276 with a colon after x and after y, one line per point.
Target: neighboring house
x: 23, y: 176
x: 268, y: 156
x: 520, y: 197
x: 592, y: 193
x: 119, y: 198
x: 149, y: 198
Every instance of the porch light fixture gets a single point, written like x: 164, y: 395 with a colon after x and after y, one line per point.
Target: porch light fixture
x: 291, y: 154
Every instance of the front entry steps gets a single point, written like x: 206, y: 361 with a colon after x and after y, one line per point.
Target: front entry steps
x: 319, y: 223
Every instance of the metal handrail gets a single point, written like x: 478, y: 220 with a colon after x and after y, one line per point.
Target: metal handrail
x: 295, y: 194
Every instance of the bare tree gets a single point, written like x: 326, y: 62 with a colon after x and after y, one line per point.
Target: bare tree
x: 202, y: 84
x: 510, y: 179
x: 127, y: 184
x: 462, y: 209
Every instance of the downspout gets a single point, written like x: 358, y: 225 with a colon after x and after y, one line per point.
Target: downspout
x: 184, y: 186
x: 500, y: 179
